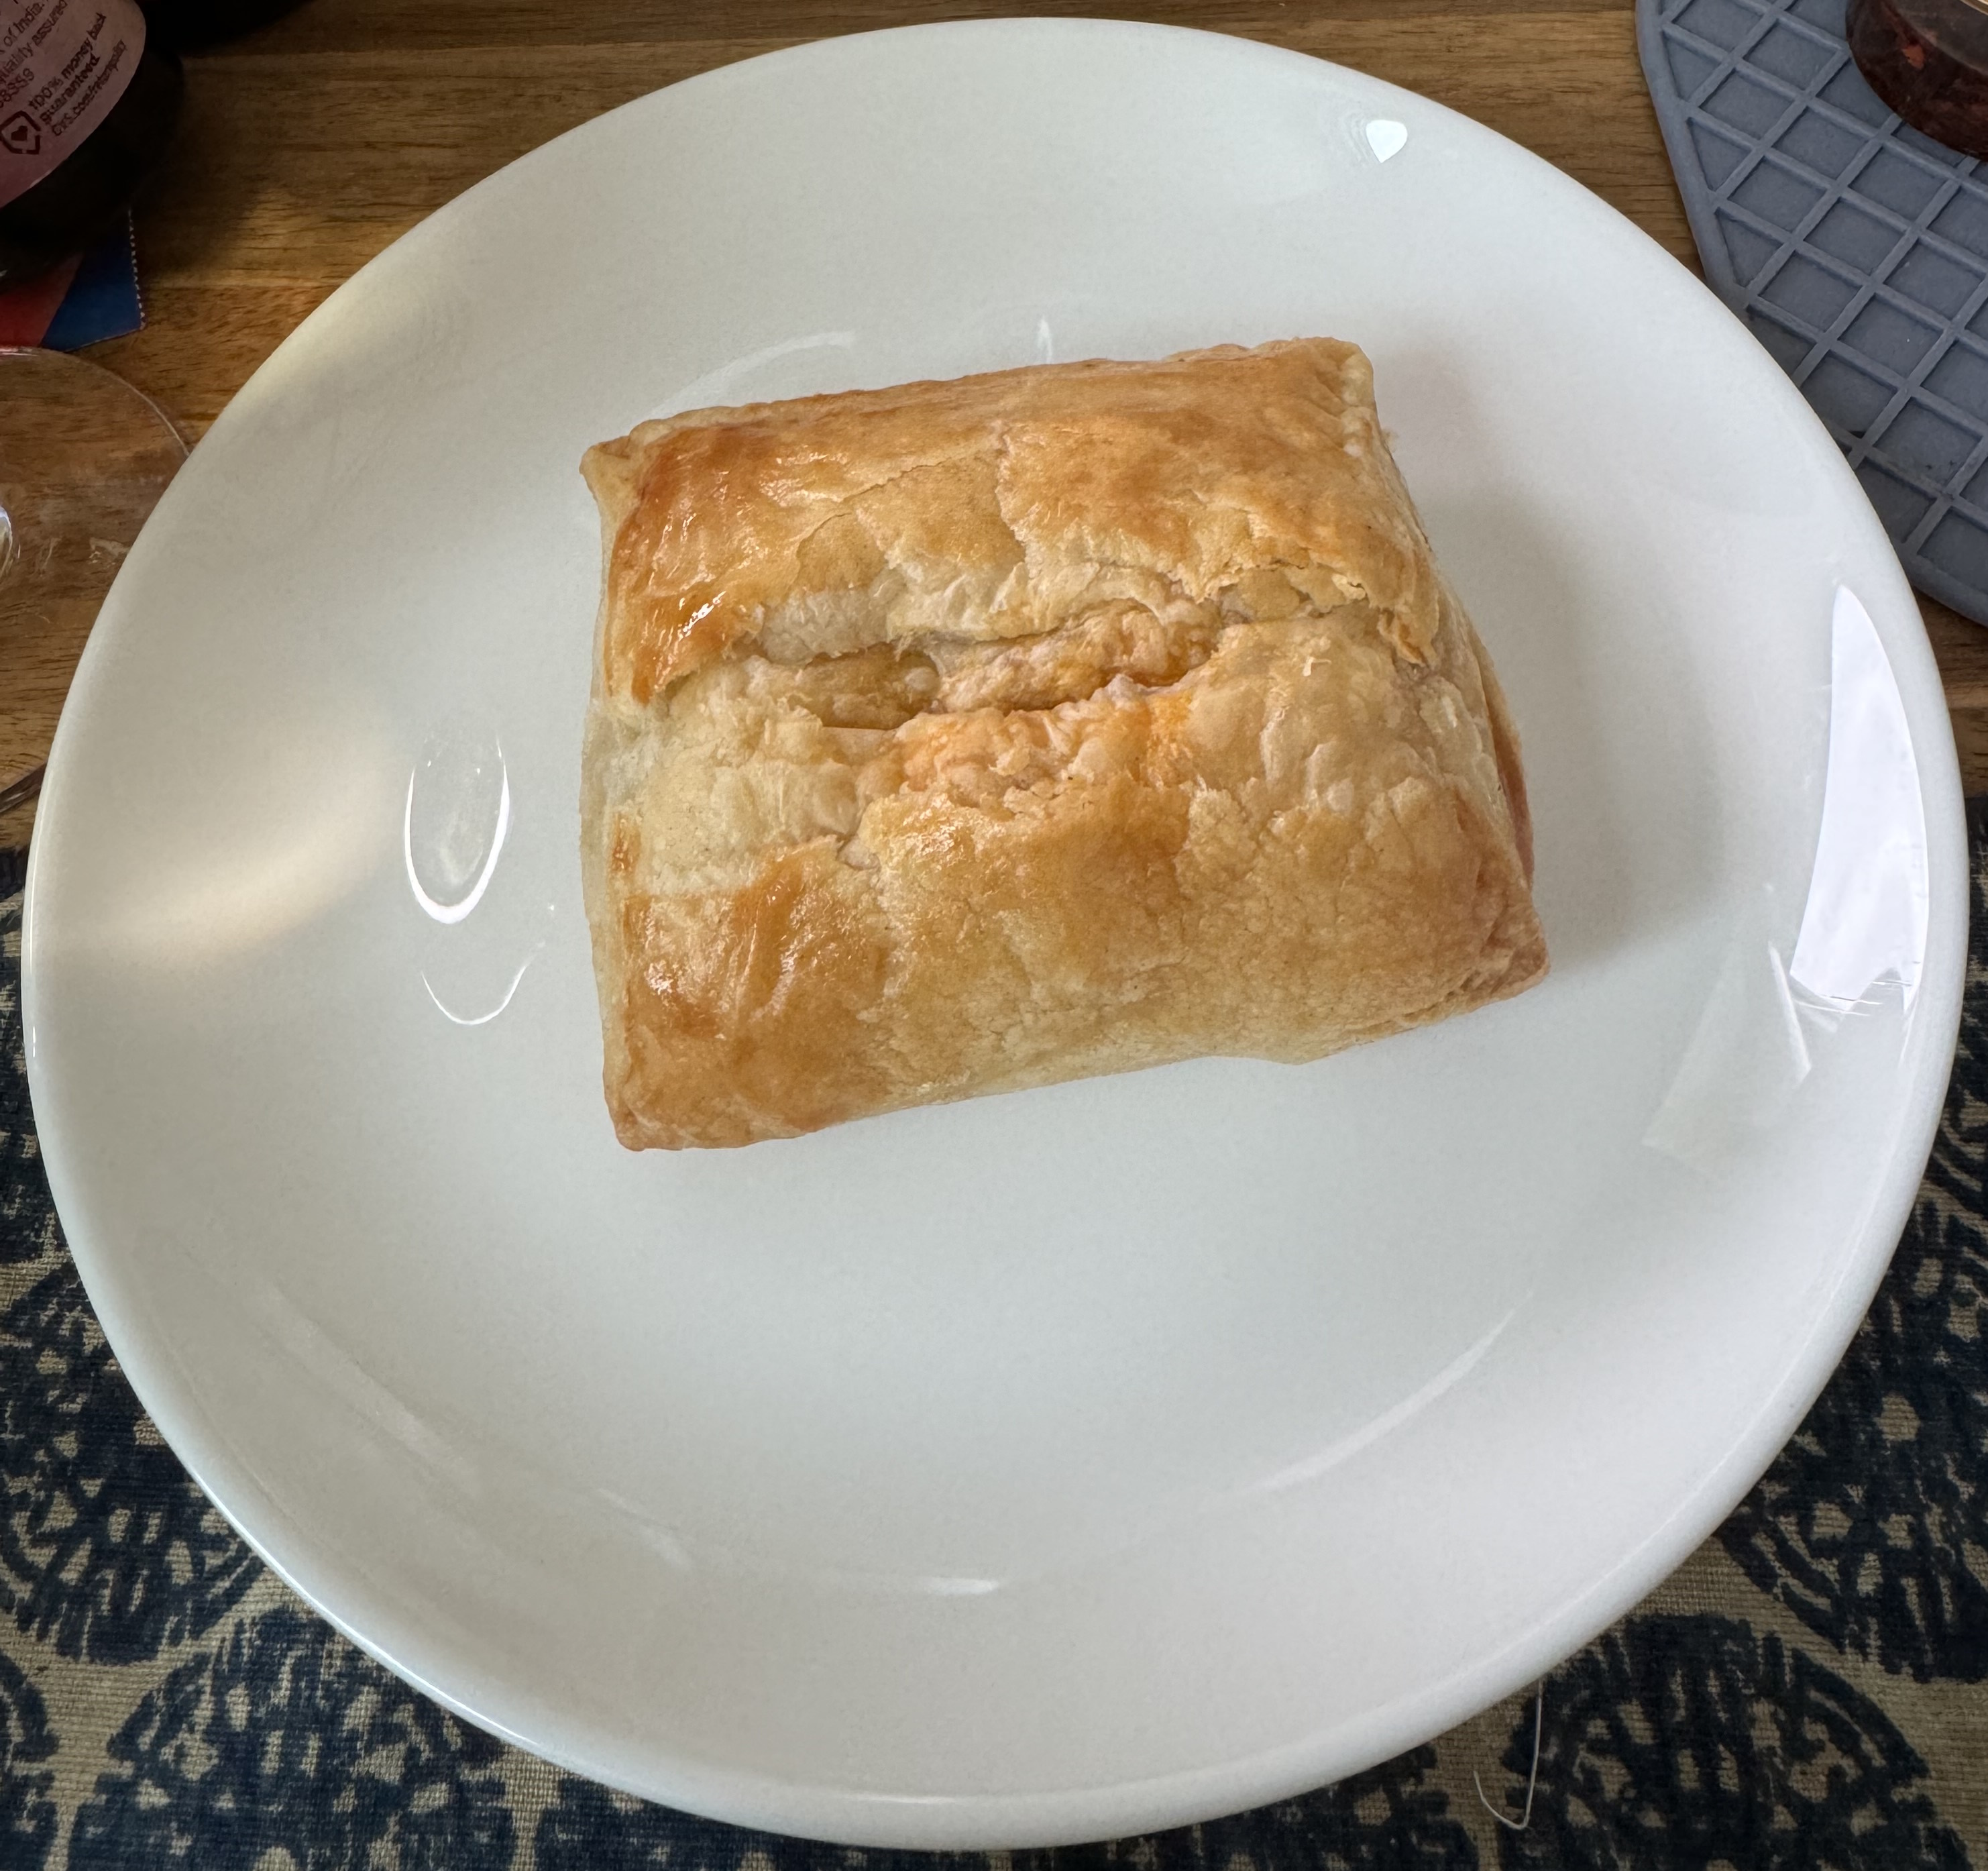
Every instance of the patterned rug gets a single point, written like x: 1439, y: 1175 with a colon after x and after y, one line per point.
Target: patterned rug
x: 1810, y: 1689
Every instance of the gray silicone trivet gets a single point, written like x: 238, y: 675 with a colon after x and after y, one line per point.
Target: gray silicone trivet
x: 1855, y: 248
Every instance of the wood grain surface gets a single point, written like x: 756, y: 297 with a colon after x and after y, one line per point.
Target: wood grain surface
x: 307, y: 147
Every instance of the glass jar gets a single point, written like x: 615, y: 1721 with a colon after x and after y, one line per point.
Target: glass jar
x: 1929, y: 60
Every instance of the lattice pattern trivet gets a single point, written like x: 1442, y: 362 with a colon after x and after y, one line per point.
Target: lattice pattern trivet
x: 1855, y: 248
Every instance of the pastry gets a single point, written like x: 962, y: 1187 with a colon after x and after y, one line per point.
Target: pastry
x: 966, y: 736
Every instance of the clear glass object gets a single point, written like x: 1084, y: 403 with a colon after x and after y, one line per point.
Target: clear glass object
x: 1929, y: 60
x: 83, y: 459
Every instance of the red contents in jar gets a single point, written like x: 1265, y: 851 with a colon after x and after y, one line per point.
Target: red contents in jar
x: 1929, y: 60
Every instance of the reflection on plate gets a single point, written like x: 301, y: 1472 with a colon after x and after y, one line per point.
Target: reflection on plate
x: 1048, y: 1467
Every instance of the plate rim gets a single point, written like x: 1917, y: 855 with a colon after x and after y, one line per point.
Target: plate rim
x: 855, y: 1816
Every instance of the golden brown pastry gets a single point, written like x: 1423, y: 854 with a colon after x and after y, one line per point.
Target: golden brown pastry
x: 966, y: 736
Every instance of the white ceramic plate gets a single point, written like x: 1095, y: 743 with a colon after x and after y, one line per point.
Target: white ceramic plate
x: 1061, y: 1464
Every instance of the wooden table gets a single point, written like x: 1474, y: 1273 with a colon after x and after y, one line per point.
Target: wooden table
x: 308, y: 146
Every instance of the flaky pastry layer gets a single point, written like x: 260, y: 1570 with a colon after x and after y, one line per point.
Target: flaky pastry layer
x: 966, y: 736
